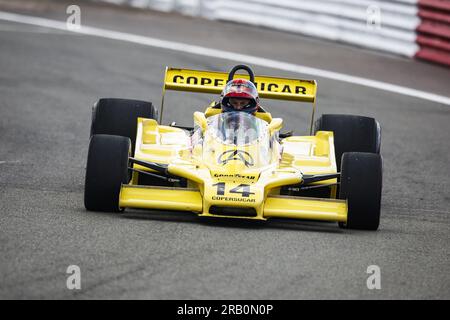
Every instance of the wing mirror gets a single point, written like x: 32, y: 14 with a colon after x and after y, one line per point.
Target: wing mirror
x: 275, y: 125
x: 200, y: 120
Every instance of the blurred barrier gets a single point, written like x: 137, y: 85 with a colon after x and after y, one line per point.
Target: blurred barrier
x: 412, y: 28
x: 434, y: 31
x: 373, y: 24
x: 188, y: 7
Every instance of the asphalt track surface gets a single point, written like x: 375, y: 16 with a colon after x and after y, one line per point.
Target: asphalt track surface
x: 48, y: 81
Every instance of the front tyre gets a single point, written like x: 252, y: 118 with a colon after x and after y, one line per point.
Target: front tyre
x: 351, y: 133
x: 119, y: 117
x: 361, y: 184
x: 106, y: 171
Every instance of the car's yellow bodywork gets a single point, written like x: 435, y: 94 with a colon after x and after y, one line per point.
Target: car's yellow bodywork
x: 233, y: 188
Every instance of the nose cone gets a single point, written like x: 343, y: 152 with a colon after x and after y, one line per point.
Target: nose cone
x: 234, y: 166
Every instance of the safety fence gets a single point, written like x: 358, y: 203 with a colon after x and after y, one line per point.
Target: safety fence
x: 412, y: 28
x: 433, y: 33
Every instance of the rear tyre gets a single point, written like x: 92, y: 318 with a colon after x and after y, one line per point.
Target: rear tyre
x: 361, y: 184
x: 106, y: 171
x: 119, y: 117
x: 351, y: 133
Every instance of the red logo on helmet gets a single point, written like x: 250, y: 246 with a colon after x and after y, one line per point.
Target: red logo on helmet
x: 240, y: 88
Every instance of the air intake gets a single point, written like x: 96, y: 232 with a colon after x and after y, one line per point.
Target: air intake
x: 232, y: 211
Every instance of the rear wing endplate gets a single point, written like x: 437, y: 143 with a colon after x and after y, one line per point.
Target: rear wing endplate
x: 213, y: 82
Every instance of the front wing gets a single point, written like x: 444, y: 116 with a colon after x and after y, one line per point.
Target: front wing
x: 274, y: 206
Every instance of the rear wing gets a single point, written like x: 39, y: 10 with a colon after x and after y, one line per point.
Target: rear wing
x: 213, y: 82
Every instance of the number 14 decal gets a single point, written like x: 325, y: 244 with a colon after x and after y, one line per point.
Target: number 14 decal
x: 243, y: 189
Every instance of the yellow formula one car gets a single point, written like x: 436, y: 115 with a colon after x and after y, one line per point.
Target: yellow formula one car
x: 235, y: 164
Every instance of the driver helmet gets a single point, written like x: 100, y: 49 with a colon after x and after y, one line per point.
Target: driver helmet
x: 240, y: 95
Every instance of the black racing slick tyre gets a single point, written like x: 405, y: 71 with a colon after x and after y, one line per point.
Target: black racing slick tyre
x: 351, y: 133
x: 361, y: 185
x: 106, y: 171
x: 119, y: 117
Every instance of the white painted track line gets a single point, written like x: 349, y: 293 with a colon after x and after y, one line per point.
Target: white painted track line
x: 227, y: 55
